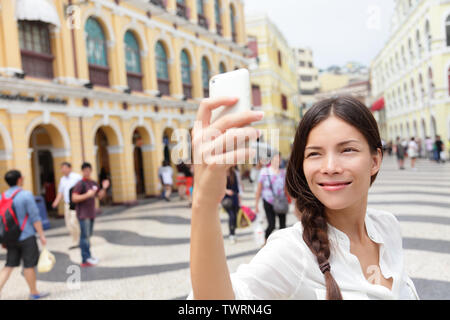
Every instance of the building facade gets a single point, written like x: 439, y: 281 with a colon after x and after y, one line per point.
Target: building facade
x: 108, y: 82
x: 274, y: 82
x: 308, y: 77
x: 410, y: 76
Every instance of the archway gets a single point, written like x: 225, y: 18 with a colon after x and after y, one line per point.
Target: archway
x: 47, y: 152
x: 108, y: 162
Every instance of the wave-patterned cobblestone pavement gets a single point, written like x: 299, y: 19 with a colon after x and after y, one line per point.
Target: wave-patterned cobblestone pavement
x: 144, y: 250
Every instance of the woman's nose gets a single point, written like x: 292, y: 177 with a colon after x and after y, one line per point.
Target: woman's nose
x: 330, y: 165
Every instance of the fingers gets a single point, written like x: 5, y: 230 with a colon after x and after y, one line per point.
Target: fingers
x: 207, y: 105
x: 237, y: 120
x: 232, y: 139
x: 232, y: 158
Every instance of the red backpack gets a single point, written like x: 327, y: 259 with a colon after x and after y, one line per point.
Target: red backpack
x: 9, y: 224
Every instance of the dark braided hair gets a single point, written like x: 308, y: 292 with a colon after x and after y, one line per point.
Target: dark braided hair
x: 311, y: 211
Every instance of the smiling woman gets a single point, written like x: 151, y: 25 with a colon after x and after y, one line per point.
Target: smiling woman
x: 340, y: 249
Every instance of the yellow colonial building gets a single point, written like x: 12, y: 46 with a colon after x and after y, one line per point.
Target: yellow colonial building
x: 410, y: 76
x: 107, y: 82
x: 274, y: 82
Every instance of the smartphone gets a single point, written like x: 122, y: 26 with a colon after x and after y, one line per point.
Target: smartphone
x: 231, y: 84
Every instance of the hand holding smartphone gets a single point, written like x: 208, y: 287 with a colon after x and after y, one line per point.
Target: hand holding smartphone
x: 231, y: 84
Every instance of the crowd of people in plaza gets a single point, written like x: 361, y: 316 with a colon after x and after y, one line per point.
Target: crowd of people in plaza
x: 431, y: 149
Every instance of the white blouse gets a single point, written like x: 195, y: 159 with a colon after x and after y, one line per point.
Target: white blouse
x: 285, y: 268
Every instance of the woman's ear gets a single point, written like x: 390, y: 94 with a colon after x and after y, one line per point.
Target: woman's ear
x: 376, y: 162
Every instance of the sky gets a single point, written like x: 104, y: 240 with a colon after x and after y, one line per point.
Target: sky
x: 338, y: 31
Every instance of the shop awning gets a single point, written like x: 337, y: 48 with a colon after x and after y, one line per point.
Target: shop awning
x: 37, y: 10
x: 378, y: 105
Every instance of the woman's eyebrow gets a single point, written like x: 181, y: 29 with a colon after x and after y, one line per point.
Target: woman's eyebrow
x: 339, y: 144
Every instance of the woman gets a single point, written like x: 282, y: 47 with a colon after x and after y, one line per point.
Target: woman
x: 232, y: 193
x: 413, y: 152
x: 339, y: 249
x: 271, y: 179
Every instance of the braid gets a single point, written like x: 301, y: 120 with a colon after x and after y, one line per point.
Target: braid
x: 315, y: 235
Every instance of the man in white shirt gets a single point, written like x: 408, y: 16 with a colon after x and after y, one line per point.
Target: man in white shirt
x: 67, y: 182
x: 165, y: 173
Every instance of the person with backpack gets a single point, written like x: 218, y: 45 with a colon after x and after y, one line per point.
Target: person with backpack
x: 21, y: 214
x: 65, y: 189
x: 83, y: 195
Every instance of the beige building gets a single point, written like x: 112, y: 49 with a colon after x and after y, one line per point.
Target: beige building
x: 274, y: 82
x: 308, y: 77
x: 107, y: 82
x: 410, y: 75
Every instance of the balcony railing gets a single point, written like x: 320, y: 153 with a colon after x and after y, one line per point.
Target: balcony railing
x: 187, y: 91
x: 134, y: 81
x: 38, y: 65
x: 164, y: 87
x: 99, y: 75
x: 202, y: 21
x: 182, y: 11
x: 159, y: 3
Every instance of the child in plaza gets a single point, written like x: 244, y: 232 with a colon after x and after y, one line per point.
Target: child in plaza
x: 340, y: 249
x: 84, y: 194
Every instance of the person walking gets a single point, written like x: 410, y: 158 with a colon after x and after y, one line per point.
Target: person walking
x: 83, y: 195
x: 438, y: 148
x: 400, y: 153
x: 68, y: 180
x: 165, y: 173
x: 413, y: 152
x: 26, y: 248
x: 271, y: 180
x: 429, y: 148
x: 341, y: 249
x: 234, y: 201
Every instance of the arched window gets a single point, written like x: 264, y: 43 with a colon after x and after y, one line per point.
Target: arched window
x: 233, y: 23
x: 419, y: 44
x: 422, y: 89
x: 182, y: 10
x: 35, y: 50
x: 447, y: 28
x: 186, y: 74
x: 133, y: 62
x: 96, y: 53
x: 162, y: 69
x: 413, y: 91
x: 201, y: 16
x: 428, y: 35
x: 411, y: 52
x: 222, y: 68
x: 217, y: 14
x: 206, y: 74
x: 405, y: 92
x: 430, y: 82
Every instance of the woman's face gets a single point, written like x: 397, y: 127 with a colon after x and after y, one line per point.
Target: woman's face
x: 338, y: 163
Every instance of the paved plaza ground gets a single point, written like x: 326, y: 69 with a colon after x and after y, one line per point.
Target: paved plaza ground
x: 144, y: 250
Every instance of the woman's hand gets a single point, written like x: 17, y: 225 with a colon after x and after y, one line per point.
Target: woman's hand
x: 229, y: 192
x: 213, y: 155
x: 215, y: 150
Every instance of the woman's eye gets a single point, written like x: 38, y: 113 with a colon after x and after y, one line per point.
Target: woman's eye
x: 312, y: 154
x: 349, y: 150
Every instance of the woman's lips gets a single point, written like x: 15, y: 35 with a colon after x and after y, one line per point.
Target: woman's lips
x: 334, y: 186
